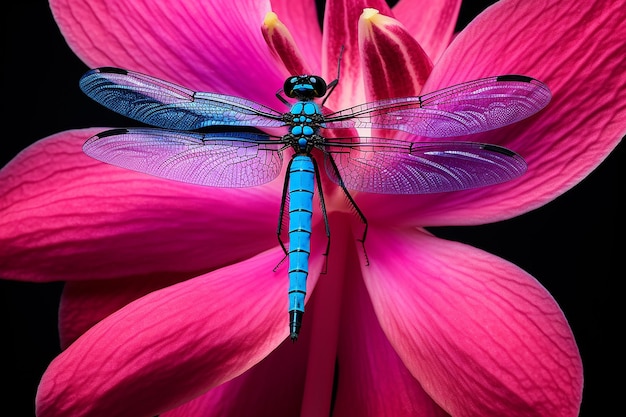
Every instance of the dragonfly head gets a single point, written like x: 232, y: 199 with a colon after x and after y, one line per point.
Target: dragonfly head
x: 305, y: 87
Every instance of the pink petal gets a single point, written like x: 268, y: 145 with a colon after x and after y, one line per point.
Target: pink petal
x: 322, y: 321
x: 482, y: 336
x: 207, y: 46
x: 372, y: 380
x: 273, y: 387
x: 393, y: 63
x: 431, y: 23
x: 341, y: 30
x: 295, y: 379
x: 301, y: 18
x: 579, y: 53
x: 85, y: 303
x: 283, y: 46
x: 65, y: 216
x: 173, y: 344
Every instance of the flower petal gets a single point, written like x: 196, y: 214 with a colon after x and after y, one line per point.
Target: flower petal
x: 482, y: 336
x: 301, y: 17
x: 199, y: 333
x: 579, y: 53
x: 65, y: 216
x: 372, y: 380
x: 295, y: 379
x: 341, y: 31
x: 273, y: 387
x: 85, y: 303
x: 393, y: 63
x: 283, y: 46
x: 431, y: 23
x: 207, y: 46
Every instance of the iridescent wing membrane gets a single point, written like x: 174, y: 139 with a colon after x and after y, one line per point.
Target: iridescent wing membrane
x: 398, y: 167
x: 230, y: 159
x: 239, y: 159
x: 170, y: 106
x: 463, y: 109
x: 387, y: 166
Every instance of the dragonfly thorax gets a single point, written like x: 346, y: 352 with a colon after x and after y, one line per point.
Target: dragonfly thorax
x: 304, y: 123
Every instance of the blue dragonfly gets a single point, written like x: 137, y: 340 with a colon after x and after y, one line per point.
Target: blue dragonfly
x: 179, y: 149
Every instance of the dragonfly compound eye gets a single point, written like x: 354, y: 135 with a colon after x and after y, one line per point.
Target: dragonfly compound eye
x: 319, y: 86
x: 304, y: 87
x: 289, y: 86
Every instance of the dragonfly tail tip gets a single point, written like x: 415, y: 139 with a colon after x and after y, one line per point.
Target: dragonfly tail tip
x: 295, y: 322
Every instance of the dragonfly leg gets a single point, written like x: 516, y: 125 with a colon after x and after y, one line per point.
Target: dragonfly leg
x: 324, y: 214
x: 331, y: 86
x: 353, y: 205
x: 281, y: 217
x: 279, y: 95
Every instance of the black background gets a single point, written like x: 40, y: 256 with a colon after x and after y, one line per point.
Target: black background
x: 571, y: 245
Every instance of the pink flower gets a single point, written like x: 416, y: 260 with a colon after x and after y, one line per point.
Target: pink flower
x: 171, y: 302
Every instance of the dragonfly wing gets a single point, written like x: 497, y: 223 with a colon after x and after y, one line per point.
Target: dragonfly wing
x: 397, y: 167
x: 471, y: 107
x: 214, y: 159
x: 167, y: 105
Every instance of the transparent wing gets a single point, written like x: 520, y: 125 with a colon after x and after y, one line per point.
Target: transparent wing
x: 213, y: 159
x: 397, y: 167
x: 467, y: 108
x: 164, y: 104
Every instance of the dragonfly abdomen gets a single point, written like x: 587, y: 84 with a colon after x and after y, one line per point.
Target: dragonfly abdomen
x: 301, y: 188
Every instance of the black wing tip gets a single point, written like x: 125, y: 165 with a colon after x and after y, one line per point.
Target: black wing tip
x: 92, y: 141
x: 110, y: 70
x: 111, y: 132
x: 102, y: 70
x: 499, y: 149
x: 515, y: 160
x: 105, y: 70
x: 515, y: 77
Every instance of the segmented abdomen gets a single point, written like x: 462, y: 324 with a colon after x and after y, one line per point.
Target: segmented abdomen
x: 301, y: 188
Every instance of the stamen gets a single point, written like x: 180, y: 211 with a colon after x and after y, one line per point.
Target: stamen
x: 394, y: 64
x: 283, y: 46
